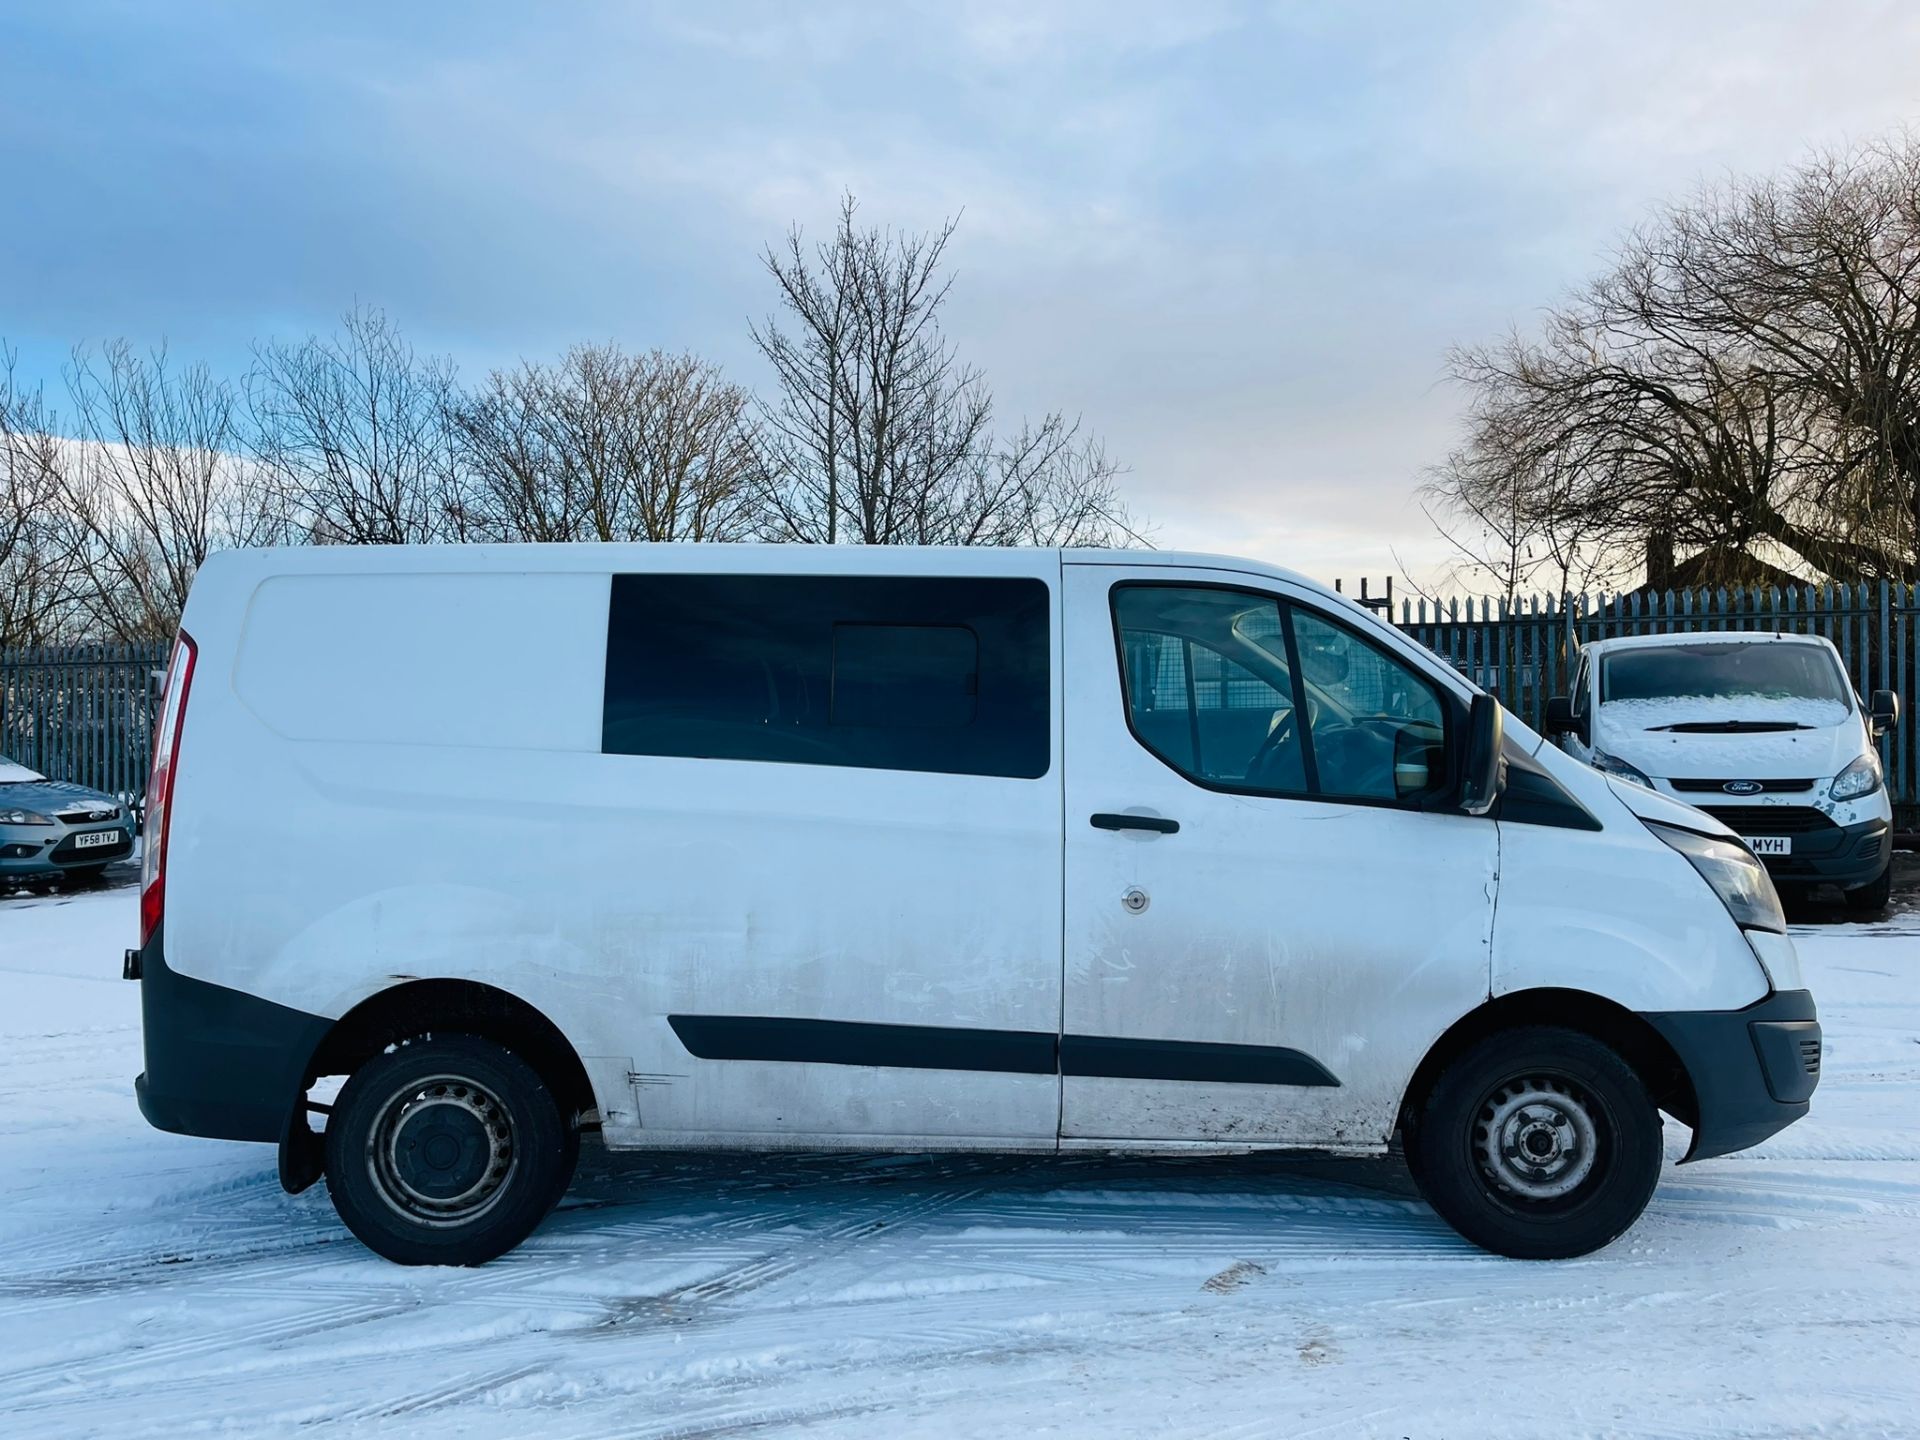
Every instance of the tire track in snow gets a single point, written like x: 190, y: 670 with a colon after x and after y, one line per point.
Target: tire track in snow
x: 89, y: 1372
x: 810, y: 1249
x: 466, y: 1386
x: 498, y: 1285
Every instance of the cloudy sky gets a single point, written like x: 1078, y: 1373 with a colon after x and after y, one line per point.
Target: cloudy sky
x: 1237, y: 240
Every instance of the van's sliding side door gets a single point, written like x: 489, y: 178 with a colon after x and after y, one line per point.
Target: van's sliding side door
x: 836, y: 895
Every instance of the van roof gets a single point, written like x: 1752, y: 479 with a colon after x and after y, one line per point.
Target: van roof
x: 228, y: 573
x: 1702, y: 637
x: 590, y: 557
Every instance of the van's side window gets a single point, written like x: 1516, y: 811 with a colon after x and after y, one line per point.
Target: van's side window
x: 1238, y: 690
x: 1207, y: 683
x: 1378, y: 727
x: 933, y: 673
x: 904, y: 675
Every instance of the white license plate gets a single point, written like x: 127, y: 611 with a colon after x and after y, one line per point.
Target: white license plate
x: 1771, y: 844
x: 95, y: 839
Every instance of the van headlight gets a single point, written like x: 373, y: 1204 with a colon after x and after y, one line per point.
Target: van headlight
x: 1614, y: 765
x: 1862, y: 777
x: 23, y: 817
x: 1741, y: 882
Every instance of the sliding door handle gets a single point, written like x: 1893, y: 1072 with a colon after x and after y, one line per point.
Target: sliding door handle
x: 1155, y: 823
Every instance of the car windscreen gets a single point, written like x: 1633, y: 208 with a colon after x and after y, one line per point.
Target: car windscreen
x: 1765, y: 670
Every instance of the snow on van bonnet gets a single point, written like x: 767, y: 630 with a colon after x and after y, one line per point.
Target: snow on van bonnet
x: 1637, y: 731
x: 1652, y: 714
x: 153, y: 1284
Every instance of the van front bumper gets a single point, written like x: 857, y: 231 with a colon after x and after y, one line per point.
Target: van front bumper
x: 1843, y: 855
x: 1753, y: 1071
x: 220, y: 1063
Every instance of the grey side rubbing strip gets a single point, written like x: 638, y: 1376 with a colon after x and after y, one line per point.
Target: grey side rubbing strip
x: 1015, y: 1052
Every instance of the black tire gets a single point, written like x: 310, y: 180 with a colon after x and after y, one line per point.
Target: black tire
x: 1873, y: 896
x: 448, y: 1150
x: 1538, y: 1086
x: 568, y: 1163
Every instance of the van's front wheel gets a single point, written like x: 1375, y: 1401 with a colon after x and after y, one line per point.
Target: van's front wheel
x: 1539, y: 1143
x: 447, y: 1150
x: 1873, y: 897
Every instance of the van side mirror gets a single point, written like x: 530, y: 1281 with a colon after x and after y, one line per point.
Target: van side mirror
x: 1884, y: 714
x: 1559, y: 717
x: 1484, y: 766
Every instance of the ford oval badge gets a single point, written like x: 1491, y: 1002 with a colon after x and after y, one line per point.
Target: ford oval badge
x: 1743, y: 787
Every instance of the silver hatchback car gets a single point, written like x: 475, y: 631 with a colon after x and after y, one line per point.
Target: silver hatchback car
x: 51, y: 827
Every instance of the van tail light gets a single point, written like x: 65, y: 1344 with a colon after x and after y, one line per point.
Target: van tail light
x: 166, y: 761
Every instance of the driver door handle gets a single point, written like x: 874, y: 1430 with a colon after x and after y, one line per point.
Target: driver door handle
x: 1158, y: 824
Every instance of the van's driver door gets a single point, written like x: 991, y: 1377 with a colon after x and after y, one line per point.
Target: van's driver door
x: 1265, y: 929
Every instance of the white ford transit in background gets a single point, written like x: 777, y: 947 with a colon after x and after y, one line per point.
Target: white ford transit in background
x: 914, y: 849
x: 1760, y: 730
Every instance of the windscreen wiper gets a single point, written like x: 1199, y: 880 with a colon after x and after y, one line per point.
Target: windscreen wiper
x: 1731, y: 727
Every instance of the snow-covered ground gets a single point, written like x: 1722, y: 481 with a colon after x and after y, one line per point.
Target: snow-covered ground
x: 152, y: 1284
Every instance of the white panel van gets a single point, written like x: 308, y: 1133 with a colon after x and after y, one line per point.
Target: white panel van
x: 1762, y: 731
x: 896, y: 849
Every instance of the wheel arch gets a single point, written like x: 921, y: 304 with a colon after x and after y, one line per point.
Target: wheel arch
x: 419, y: 1007
x: 1649, y: 1054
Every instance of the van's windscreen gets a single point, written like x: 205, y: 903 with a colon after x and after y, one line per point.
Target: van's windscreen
x: 933, y: 673
x: 1762, y: 670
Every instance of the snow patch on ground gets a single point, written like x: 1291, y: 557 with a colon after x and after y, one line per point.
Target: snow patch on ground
x: 153, y: 1284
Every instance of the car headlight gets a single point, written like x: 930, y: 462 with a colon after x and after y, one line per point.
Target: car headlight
x: 1862, y: 777
x: 1741, y: 882
x: 1614, y: 765
x: 23, y: 817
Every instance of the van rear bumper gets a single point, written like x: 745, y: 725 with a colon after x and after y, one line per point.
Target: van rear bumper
x: 220, y: 1063
x: 1753, y: 1070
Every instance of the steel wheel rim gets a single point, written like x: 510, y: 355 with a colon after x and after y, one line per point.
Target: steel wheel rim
x: 1537, y: 1139
x: 441, y: 1151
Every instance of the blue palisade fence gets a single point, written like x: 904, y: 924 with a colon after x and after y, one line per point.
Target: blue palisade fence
x: 82, y: 712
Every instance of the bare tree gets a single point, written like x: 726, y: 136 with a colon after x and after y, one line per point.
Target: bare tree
x: 35, y: 551
x: 608, y: 446
x: 1046, y: 485
x: 1811, y: 280
x: 358, y: 433
x: 878, y: 434
x: 1744, y: 383
x: 150, y: 484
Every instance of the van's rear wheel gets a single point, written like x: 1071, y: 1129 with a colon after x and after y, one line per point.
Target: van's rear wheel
x: 445, y: 1151
x: 1539, y: 1143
